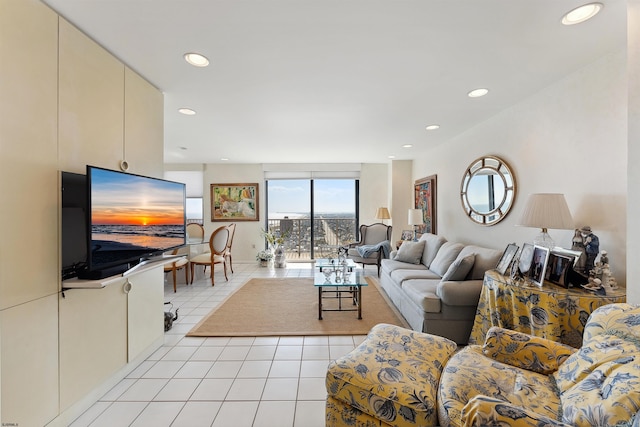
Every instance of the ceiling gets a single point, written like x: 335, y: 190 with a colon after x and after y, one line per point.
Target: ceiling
x: 339, y: 81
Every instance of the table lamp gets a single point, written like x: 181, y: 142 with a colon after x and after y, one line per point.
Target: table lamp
x: 544, y: 211
x: 383, y: 213
x: 415, y: 219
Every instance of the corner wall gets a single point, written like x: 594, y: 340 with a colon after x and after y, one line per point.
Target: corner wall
x: 633, y: 140
x: 569, y: 138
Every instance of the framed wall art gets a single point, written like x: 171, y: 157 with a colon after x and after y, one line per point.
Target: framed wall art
x: 425, y: 196
x: 234, y: 202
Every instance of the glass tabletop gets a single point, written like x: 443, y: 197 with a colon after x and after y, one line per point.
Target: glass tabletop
x: 354, y: 278
x: 330, y: 262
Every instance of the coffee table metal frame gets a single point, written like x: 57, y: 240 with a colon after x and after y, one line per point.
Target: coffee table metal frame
x: 329, y: 286
x: 326, y: 263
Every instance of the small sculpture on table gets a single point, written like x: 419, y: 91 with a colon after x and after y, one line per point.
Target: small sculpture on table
x: 591, y: 247
x: 602, y: 270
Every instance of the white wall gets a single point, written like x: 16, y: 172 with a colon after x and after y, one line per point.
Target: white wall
x: 373, y: 194
x: 569, y: 138
x: 633, y: 174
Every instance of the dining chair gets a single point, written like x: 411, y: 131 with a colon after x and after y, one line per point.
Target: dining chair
x: 195, y: 232
x: 179, y: 264
x: 217, y: 255
x: 232, y: 232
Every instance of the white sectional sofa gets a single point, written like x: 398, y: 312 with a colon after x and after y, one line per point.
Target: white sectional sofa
x: 436, y: 284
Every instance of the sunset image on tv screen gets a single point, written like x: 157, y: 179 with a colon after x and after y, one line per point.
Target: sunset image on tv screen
x: 134, y: 214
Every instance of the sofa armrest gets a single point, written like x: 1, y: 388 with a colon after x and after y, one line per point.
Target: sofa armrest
x: 466, y: 292
x: 484, y: 410
x: 525, y: 351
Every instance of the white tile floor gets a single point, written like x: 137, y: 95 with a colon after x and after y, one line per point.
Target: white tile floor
x: 224, y: 382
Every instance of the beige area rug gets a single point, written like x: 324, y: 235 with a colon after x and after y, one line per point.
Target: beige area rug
x: 289, y: 306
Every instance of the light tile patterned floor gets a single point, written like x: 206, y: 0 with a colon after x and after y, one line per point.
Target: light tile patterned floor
x: 224, y: 382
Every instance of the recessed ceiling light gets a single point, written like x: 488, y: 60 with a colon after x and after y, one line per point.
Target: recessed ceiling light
x: 476, y: 93
x: 196, y: 59
x: 407, y: 146
x: 392, y: 157
x: 432, y: 127
x: 224, y: 159
x: 582, y: 13
x: 186, y: 111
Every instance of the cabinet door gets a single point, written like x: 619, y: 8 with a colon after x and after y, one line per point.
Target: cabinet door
x: 145, y: 308
x: 93, y: 339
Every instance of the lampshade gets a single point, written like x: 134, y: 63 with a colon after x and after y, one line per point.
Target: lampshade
x: 415, y: 217
x: 546, y: 210
x: 383, y: 213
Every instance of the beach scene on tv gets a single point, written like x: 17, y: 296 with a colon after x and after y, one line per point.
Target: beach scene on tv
x: 133, y: 216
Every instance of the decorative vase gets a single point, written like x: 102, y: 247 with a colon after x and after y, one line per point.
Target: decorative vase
x: 279, y: 260
x: 263, y: 262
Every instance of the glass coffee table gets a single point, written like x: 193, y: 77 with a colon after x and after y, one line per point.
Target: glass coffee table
x: 330, y: 287
x: 322, y: 263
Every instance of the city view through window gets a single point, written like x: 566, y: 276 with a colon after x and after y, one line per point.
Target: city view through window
x: 316, y: 216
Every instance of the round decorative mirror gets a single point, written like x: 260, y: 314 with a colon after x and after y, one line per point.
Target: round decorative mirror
x: 488, y: 190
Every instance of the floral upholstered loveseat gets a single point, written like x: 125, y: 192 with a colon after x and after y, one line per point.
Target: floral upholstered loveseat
x: 400, y: 377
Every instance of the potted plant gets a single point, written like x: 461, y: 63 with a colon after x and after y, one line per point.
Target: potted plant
x: 275, y: 241
x: 264, y: 257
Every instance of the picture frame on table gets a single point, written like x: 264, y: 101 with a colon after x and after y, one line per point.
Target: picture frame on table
x: 425, y: 198
x: 558, y: 269
x: 407, y: 235
x: 539, y: 264
x: 507, y: 258
x: 234, y: 202
x: 526, y: 258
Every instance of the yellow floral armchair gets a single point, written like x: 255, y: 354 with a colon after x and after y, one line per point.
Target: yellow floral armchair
x: 396, y: 377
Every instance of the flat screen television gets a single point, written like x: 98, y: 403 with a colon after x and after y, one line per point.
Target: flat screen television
x: 130, y: 219
x: 74, y: 225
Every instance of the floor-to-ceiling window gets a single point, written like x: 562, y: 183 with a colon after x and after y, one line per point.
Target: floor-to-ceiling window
x: 316, y: 215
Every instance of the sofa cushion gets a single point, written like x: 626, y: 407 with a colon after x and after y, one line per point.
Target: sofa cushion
x: 400, y: 275
x: 423, y: 293
x: 392, y: 375
x: 391, y: 265
x: 431, y: 247
x: 485, y: 259
x: 459, y: 268
x: 410, y: 252
x: 446, y: 255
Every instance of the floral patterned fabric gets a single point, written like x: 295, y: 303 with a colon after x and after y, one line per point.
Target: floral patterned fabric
x: 525, y: 351
x: 600, y: 384
x: 549, y: 311
x: 391, y: 377
x: 513, y: 380
x: 483, y: 411
x: 469, y: 373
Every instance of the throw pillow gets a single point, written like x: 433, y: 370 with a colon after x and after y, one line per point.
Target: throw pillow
x: 459, y: 268
x: 410, y: 252
x: 447, y: 253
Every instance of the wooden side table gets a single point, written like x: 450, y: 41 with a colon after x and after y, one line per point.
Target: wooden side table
x: 550, y: 311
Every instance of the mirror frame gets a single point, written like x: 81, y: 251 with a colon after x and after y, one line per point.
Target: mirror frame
x: 502, y: 208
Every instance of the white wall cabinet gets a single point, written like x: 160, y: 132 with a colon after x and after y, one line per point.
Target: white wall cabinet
x: 103, y: 329
x: 66, y: 102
